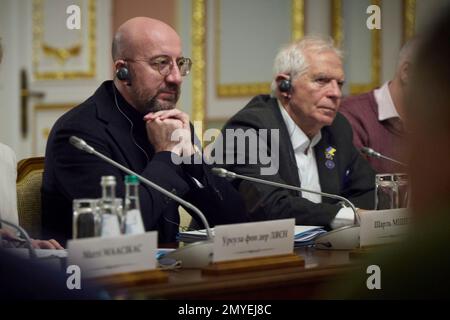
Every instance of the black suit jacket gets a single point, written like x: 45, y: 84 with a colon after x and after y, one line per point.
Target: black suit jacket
x: 70, y: 173
x: 351, y: 176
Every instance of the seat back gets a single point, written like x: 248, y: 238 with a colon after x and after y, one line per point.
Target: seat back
x: 29, y: 182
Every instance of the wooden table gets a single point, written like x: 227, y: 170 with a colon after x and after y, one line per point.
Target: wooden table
x: 321, y: 268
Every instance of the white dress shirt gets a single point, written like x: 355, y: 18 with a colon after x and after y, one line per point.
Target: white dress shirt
x: 307, y: 166
x: 386, y: 107
x: 305, y: 157
x: 8, y: 174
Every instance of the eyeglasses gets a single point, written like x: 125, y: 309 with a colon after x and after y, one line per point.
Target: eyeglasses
x: 164, y: 64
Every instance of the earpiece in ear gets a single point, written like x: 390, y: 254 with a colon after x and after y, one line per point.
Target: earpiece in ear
x: 123, y: 74
x: 285, y: 85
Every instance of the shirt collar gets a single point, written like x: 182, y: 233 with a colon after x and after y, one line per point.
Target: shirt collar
x: 386, y: 107
x: 300, y: 141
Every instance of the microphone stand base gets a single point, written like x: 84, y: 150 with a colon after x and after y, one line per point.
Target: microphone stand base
x: 194, y: 255
x: 345, y: 238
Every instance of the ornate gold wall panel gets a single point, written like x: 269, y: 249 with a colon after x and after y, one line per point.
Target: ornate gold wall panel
x: 83, y: 48
x: 199, y: 60
x: 253, y: 88
x: 409, y: 19
x: 337, y: 25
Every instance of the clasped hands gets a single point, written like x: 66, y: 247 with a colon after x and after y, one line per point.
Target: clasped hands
x: 169, y: 130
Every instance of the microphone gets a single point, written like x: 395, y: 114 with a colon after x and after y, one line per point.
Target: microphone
x: 344, y: 238
x: 31, y: 250
x: 374, y: 154
x: 195, y: 255
x: 232, y: 175
x: 81, y: 144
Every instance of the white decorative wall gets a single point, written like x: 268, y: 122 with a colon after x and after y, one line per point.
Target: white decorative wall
x: 250, y: 31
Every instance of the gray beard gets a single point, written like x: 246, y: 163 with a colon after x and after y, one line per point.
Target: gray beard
x: 153, y: 105
x: 145, y: 106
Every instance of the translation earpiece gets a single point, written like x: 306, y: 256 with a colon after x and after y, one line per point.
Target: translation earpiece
x: 285, y: 85
x: 123, y: 74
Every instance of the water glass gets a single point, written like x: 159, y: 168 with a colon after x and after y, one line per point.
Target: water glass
x: 86, y: 218
x: 391, y: 191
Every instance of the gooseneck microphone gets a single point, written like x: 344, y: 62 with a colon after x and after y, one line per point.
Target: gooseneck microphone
x: 374, y: 154
x: 232, y: 175
x: 195, y: 255
x: 344, y: 238
x: 27, y: 239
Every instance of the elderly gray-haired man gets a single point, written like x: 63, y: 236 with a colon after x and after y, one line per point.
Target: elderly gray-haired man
x: 315, y: 142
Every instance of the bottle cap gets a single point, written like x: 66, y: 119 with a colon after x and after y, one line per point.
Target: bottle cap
x: 108, y: 180
x: 131, y: 179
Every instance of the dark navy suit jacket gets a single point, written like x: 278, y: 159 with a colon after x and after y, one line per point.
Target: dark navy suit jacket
x: 70, y: 173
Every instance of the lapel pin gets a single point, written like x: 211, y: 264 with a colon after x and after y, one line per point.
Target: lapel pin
x: 329, y: 155
x: 329, y: 164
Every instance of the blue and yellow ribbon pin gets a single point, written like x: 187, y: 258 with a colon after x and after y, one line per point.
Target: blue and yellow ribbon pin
x: 329, y: 154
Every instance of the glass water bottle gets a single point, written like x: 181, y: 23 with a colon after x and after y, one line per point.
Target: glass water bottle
x: 110, y: 208
x: 133, y: 219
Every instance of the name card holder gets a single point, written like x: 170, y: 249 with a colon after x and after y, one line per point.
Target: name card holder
x: 137, y: 278
x: 253, y: 246
x: 364, y: 252
x: 254, y: 264
x: 382, y: 227
x: 121, y: 261
x: 379, y: 229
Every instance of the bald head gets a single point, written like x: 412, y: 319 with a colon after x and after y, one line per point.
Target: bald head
x: 408, y: 51
x: 134, y: 36
x: 136, y: 45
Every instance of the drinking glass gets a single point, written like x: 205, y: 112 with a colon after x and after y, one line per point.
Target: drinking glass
x: 86, y: 218
x: 391, y: 191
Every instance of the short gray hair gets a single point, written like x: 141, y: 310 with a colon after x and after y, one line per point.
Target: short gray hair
x: 121, y: 46
x: 117, y: 47
x: 291, y: 59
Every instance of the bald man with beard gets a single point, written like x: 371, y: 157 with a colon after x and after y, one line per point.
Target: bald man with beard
x: 131, y: 120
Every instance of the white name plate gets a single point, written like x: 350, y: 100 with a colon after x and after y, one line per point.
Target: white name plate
x: 383, y: 226
x: 106, y: 256
x: 251, y: 240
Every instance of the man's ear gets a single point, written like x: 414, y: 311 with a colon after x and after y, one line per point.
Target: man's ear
x: 284, y: 85
x: 119, y: 64
x: 405, y: 70
x: 282, y: 76
x: 122, y: 72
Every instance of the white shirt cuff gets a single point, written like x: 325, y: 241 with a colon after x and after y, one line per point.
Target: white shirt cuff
x: 344, y: 217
